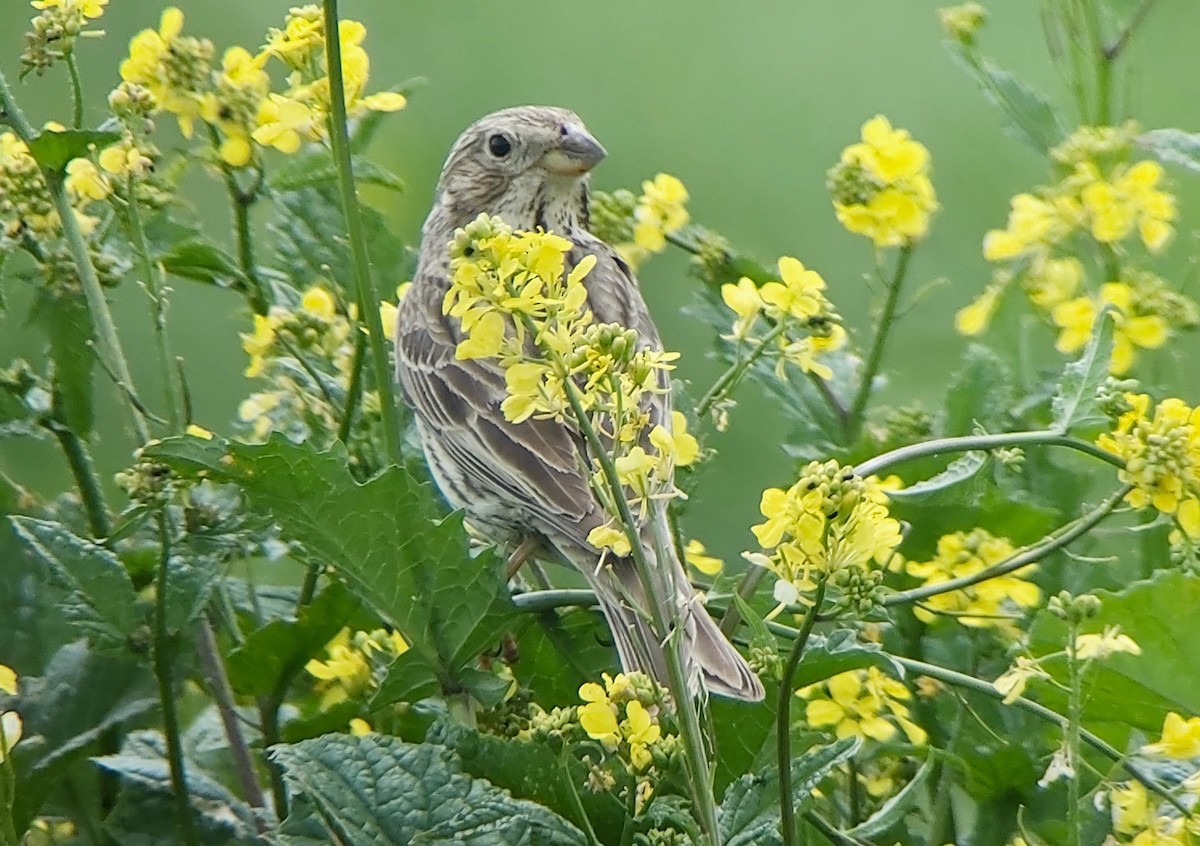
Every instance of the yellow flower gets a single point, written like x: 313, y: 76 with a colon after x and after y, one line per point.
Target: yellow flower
x: 284, y: 123
x: 87, y: 8
x: 798, y: 295
x: 240, y: 88
x: 8, y: 680
x: 175, y: 69
x: 745, y: 301
x: 962, y: 22
x: 10, y: 732
x: 694, y: 553
x: 973, y: 319
x: 199, y: 432
x: 124, y: 159
x: 360, y: 727
x: 85, y: 182
x: 660, y: 211
x: 610, y: 537
x: 1011, y: 683
x: 1132, y: 331
x: 881, y: 187
x: 1131, y: 197
x: 861, y: 703
x: 1034, y: 225
x: 318, y: 302
x: 598, y: 718
x: 1053, y: 281
x: 387, y: 319
x: 1180, y: 738
x: 1100, y: 646
x: 1162, y: 457
x: 989, y: 604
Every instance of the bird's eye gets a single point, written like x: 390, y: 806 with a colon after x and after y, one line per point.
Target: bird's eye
x: 499, y: 146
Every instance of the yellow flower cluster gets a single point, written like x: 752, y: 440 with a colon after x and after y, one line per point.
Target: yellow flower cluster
x: 352, y: 662
x: 236, y: 99
x: 861, y: 703
x: 989, y: 604
x: 10, y: 721
x: 1161, y: 450
x: 511, y: 287
x: 25, y: 204
x: 659, y: 211
x: 622, y: 715
x: 1098, y: 646
x: 805, y: 325
x: 307, y: 354
x: 881, y: 187
x: 829, y: 521
x: 1110, y: 198
x: 1139, y: 820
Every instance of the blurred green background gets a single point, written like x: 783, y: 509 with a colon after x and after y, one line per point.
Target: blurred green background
x: 748, y: 103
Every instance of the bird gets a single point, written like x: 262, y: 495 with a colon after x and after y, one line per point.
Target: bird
x: 517, y: 482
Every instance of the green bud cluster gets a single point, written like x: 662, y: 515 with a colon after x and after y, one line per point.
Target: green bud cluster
x: 1104, y: 145
x: 908, y: 424
x: 1110, y: 396
x: 663, y: 837
x: 51, y: 38
x: 146, y: 482
x: 605, y: 339
x: 860, y: 591
x: 25, y: 204
x: 851, y: 184
x: 188, y: 66
x: 841, y: 491
x: 1073, y: 609
x: 610, y: 216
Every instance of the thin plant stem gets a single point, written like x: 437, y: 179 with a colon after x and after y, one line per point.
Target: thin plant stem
x: 1030, y: 554
x: 695, y: 756
x: 164, y: 656
x: 887, y: 319
x: 1071, y: 734
x: 783, y: 721
x: 368, y: 298
x: 354, y: 391
x: 158, y: 308
x: 8, y: 793
x: 966, y: 443
x: 86, y: 480
x: 731, y: 377
x: 1113, y: 51
x: 108, y: 343
x: 749, y: 583
x: 76, y: 91
x: 1102, y: 65
x: 576, y: 802
x: 218, y: 679
x: 240, y: 202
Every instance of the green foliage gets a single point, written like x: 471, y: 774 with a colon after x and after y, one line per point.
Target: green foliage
x: 372, y: 791
x: 1075, y: 405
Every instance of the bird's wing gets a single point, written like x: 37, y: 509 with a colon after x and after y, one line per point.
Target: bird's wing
x: 531, y: 468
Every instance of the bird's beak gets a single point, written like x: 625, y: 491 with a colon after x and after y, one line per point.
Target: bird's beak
x: 576, y: 153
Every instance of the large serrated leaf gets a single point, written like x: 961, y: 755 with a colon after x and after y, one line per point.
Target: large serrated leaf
x: 1029, y: 117
x: 317, y: 169
x: 387, y: 537
x: 278, y: 649
x: 749, y: 813
x: 100, y: 599
x: 1173, y: 146
x: 838, y: 651
x: 965, y: 468
x: 377, y: 791
x: 980, y: 394
x: 1074, y: 404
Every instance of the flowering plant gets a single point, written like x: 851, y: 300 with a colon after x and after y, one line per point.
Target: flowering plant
x: 973, y: 624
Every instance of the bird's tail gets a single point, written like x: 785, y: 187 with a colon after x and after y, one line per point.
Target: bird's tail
x: 709, y: 658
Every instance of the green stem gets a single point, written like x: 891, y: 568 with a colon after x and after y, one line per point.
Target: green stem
x: 783, y: 721
x: 368, y: 298
x: 966, y: 443
x: 107, y: 341
x: 158, y: 308
x: 218, y: 679
x: 1113, y: 51
x: 1071, y: 735
x: 695, y: 757
x: 8, y: 795
x: 576, y: 802
x: 1103, y: 66
x: 749, y: 583
x: 76, y: 91
x: 240, y: 201
x: 354, y: 392
x: 731, y: 377
x: 875, y: 358
x: 164, y: 655
x: 1030, y: 554
x: 86, y: 480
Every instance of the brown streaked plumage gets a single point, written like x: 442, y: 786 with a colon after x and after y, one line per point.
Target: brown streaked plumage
x: 530, y: 165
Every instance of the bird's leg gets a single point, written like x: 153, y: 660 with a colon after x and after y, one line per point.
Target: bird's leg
x: 524, y: 551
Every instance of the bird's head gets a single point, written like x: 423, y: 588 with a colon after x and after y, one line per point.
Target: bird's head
x: 529, y: 165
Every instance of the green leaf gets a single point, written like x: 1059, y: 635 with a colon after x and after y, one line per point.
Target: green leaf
x: 559, y: 651
x: 1074, y: 405
x: 410, y: 678
x: 377, y: 791
x: 190, y: 583
x: 1173, y: 146
x: 893, y: 810
x: 1135, y: 691
x: 53, y: 150
x: 837, y: 652
x: 965, y: 468
x: 145, y: 773
x: 749, y: 813
x: 1029, y: 117
x: 980, y: 394
x: 200, y: 259
x: 63, y: 314
x: 310, y: 242
x: 100, y: 600
x: 280, y: 648
x: 317, y: 169
x: 81, y: 697
x: 384, y: 537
